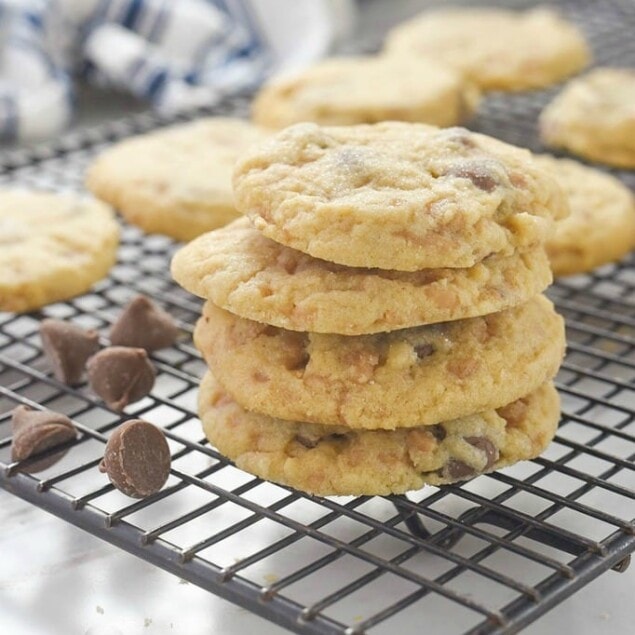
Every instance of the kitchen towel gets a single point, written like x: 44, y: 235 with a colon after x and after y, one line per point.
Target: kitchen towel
x: 176, y: 55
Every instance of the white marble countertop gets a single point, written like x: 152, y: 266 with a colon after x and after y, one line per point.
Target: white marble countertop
x: 56, y: 579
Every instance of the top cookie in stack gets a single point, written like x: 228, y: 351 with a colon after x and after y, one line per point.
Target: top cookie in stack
x: 377, y: 324
x: 396, y: 196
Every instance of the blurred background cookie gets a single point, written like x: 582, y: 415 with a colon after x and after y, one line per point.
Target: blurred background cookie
x: 52, y: 247
x: 175, y: 181
x: 601, y: 226
x: 367, y: 90
x: 495, y: 48
x: 594, y: 117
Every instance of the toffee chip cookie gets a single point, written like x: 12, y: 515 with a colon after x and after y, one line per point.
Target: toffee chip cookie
x: 175, y: 181
x: 496, y: 49
x: 411, y: 377
x: 396, y: 195
x: 594, y: 117
x: 256, y: 278
x: 349, y: 90
x: 601, y: 227
x: 52, y: 247
x: 335, y: 460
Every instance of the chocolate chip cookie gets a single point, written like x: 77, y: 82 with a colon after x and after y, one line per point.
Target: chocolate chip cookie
x: 256, y: 278
x: 335, y: 460
x: 411, y: 377
x: 396, y: 195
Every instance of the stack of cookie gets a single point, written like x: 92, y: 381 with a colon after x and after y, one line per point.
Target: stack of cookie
x: 375, y: 323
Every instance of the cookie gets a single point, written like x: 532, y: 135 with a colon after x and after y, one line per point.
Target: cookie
x: 355, y: 90
x: 335, y: 460
x: 396, y: 195
x: 52, y: 247
x: 593, y: 117
x: 494, y: 48
x: 176, y: 181
x: 412, y: 377
x: 601, y: 227
x: 256, y: 278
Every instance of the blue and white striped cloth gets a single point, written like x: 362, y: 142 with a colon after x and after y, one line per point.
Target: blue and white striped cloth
x: 173, y: 54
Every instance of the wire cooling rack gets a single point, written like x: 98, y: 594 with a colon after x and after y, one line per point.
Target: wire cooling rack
x: 494, y: 553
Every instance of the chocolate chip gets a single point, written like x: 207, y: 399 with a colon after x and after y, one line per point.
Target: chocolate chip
x: 337, y: 436
x: 35, y: 431
x: 67, y: 347
x: 306, y: 441
x: 137, y: 458
x: 312, y: 442
x: 486, y: 446
x: 460, y: 135
x: 481, y: 175
x: 438, y: 432
x: 458, y: 471
x: 142, y: 324
x: 424, y: 350
x: 120, y: 375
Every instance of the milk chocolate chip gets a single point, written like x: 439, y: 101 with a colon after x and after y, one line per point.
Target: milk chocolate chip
x: 67, y: 347
x: 485, y: 445
x: 481, y: 173
x: 142, y: 324
x: 311, y: 441
x: 137, y: 459
x: 120, y: 375
x: 424, y: 350
x: 307, y: 442
x: 459, y: 470
x: 458, y: 135
x: 35, y: 431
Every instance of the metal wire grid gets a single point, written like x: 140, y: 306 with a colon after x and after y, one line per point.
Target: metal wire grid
x: 497, y: 552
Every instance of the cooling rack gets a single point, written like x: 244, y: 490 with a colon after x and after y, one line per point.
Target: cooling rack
x: 494, y: 553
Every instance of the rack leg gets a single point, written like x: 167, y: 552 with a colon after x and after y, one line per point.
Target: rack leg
x: 446, y: 538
